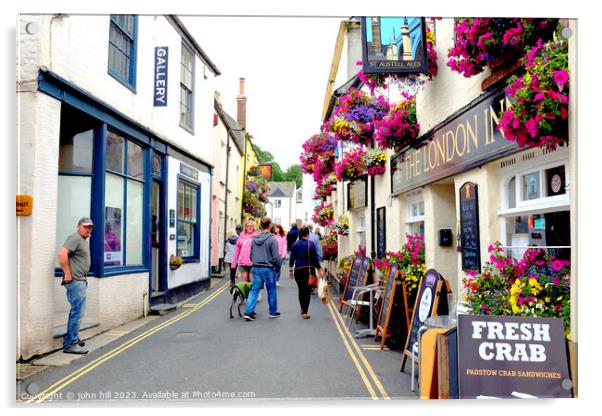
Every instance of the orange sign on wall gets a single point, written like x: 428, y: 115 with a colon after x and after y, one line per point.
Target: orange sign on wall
x: 24, y: 205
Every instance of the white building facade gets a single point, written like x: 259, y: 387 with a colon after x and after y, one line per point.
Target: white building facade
x: 114, y: 124
x: 282, y: 203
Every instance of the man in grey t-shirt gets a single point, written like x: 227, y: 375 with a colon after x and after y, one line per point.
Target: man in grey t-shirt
x: 74, y: 258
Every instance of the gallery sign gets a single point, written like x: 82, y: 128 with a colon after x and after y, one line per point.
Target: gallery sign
x: 467, y: 139
x: 160, y: 76
x: 393, y: 44
x: 510, y: 357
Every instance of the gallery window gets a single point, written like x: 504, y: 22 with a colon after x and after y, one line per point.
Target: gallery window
x: 124, y: 196
x: 415, y: 213
x: 188, y: 220
x: 76, y: 145
x: 186, y: 88
x: 122, y: 48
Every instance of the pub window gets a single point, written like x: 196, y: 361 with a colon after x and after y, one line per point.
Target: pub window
x: 75, y: 172
x: 124, y: 196
x: 122, y: 48
x: 186, y: 88
x: 415, y: 214
x: 537, y: 213
x: 188, y: 220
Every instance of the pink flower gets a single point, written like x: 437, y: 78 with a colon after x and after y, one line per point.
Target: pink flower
x: 557, y: 265
x: 561, y: 78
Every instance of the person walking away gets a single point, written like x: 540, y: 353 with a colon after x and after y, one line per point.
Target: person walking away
x: 242, y: 251
x: 229, y: 254
x: 266, y: 260
x: 74, y: 259
x: 313, y: 237
x: 292, y: 236
x: 303, y: 259
x: 282, y: 246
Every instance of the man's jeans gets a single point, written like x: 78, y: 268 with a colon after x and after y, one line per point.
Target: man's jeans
x: 76, y: 295
x: 263, y: 275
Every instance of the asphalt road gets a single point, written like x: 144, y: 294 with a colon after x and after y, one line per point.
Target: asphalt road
x: 198, y: 353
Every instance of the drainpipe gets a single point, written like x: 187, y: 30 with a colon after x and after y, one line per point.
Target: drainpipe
x: 372, y: 213
x: 244, y: 176
x: 226, y: 195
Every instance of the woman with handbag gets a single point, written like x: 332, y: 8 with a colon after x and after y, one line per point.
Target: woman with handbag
x: 303, y: 260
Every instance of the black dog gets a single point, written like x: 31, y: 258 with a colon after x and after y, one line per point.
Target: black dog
x: 238, y: 294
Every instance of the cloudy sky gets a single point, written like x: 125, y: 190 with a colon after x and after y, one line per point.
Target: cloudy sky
x: 285, y: 62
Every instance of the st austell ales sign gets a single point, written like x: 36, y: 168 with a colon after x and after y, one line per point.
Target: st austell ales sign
x: 512, y: 357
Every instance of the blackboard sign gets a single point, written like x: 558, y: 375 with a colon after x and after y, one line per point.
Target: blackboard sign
x: 510, y: 356
x: 354, y: 273
x: 381, y: 233
x: 362, y: 280
x: 387, y: 296
x: 427, y: 301
x: 469, y: 227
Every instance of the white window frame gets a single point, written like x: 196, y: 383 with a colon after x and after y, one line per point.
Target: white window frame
x: 541, y: 205
x: 413, y: 198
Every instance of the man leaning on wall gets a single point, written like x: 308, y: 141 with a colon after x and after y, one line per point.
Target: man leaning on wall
x: 74, y: 259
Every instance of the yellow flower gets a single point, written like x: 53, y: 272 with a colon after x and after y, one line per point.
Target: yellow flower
x: 547, y: 299
x: 534, y: 291
x: 512, y: 300
x: 515, y: 309
x: 559, y: 298
x: 533, y: 282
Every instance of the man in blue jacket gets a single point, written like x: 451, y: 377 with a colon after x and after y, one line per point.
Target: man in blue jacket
x: 266, y: 260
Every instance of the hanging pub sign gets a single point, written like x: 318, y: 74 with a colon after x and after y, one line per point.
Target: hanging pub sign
x: 160, y: 77
x: 512, y: 357
x: 393, y: 44
x: 469, y: 227
x: 467, y: 139
x: 266, y: 171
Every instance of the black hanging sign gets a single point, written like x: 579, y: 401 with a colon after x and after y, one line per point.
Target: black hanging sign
x: 394, y: 44
x: 512, y: 357
x: 469, y: 227
x: 354, y: 274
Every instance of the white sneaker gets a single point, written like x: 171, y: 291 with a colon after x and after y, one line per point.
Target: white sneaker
x: 259, y: 297
x: 277, y: 283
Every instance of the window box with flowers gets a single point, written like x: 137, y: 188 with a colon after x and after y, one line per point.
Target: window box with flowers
x: 536, y: 285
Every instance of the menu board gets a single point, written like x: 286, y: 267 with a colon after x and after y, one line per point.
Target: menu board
x: 388, y: 296
x: 469, y: 227
x: 352, y: 280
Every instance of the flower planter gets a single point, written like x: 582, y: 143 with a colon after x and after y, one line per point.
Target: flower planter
x: 173, y: 267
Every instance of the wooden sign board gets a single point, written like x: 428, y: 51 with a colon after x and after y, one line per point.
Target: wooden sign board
x: 502, y: 356
x: 351, y: 281
x: 427, y: 301
x: 387, y: 305
x: 364, y: 276
x: 24, y: 205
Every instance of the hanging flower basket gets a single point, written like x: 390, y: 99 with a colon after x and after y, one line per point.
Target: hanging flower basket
x: 175, y: 262
x: 318, y: 150
x: 351, y: 166
x: 400, y: 127
x: 539, y: 113
x: 375, y: 160
x: 323, y: 214
x: 330, y: 247
x: 480, y: 42
x: 341, y: 226
x: 353, y: 117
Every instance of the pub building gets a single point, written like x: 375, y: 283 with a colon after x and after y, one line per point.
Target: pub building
x: 461, y: 185
x: 114, y: 124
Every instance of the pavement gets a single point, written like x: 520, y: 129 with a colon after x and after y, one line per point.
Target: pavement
x: 198, y: 353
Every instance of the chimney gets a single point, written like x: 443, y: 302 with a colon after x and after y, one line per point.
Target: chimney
x: 241, y: 100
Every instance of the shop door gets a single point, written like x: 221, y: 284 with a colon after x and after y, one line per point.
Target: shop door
x: 158, y: 241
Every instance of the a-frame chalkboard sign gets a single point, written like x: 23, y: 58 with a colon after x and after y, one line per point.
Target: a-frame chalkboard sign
x: 387, y: 304
x: 357, y: 277
x: 427, y: 301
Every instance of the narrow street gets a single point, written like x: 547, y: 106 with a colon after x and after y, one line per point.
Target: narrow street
x: 198, y: 353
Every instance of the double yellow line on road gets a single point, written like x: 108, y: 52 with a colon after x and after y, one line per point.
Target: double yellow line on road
x: 53, y: 389
x: 357, y: 356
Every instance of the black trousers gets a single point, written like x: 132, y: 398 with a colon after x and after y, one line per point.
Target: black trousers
x: 301, y: 277
x: 232, y: 274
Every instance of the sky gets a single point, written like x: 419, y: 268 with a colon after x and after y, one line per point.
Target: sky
x: 285, y: 62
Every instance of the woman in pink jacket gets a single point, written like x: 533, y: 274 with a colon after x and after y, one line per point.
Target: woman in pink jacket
x: 282, y: 248
x: 242, y: 252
